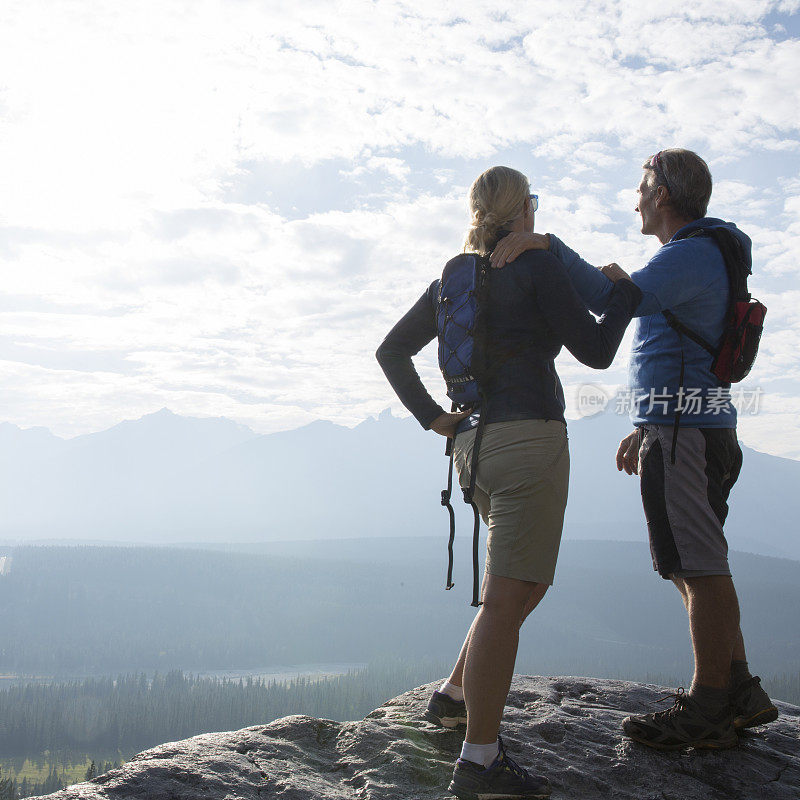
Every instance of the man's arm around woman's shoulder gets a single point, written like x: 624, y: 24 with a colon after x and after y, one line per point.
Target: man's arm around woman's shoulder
x: 592, y: 286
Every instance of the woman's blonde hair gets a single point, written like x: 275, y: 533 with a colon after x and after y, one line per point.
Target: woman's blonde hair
x: 495, y: 199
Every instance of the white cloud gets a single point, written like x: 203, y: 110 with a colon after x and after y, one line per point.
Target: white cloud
x: 132, y: 279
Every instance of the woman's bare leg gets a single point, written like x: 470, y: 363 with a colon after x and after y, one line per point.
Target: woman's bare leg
x: 491, y: 652
x: 536, y: 595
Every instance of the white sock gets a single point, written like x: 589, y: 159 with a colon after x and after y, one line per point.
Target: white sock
x: 480, y: 753
x: 452, y: 691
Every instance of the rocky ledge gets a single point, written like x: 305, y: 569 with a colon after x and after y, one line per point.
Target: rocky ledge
x: 566, y: 728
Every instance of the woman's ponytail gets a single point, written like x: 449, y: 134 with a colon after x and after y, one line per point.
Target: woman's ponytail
x: 496, y: 199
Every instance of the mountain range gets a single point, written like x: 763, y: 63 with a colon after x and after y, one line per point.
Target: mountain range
x: 172, y: 479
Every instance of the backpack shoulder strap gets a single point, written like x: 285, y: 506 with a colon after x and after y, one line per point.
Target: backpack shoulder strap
x: 733, y: 255
x: 737, y: 268
x: 677, y: 325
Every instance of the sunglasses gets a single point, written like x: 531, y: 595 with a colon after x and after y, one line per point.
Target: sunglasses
x: 534, y: 198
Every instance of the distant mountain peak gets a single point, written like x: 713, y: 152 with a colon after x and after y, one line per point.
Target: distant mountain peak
x: 384, y: 416
x: 162, y: 412
x: 166, y: 416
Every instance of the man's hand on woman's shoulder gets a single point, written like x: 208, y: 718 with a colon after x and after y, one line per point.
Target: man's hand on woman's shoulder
x: 614, y: 272
x: 514, y: 244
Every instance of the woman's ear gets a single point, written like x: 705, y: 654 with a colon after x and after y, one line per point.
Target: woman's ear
x: 529, y: 212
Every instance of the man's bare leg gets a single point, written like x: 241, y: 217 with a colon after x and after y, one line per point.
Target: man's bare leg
x: 722, y: 685
x: 738, y: 653
x: 681, y: 586
x: 714, y: 627
x: 705, y: 719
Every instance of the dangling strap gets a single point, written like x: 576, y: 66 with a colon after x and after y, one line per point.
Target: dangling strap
x: 476, y: 600
x: 682, y: 331
x: 678, y: 409
x: 446, y: 493
x: 468, y: 495
x: 446, y: 503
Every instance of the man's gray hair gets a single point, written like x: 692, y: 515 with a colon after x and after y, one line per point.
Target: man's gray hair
x: 686, y: 177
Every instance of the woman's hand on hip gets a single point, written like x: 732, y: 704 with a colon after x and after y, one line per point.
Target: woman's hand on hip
x: 514, y: 244
x: 446, y: 424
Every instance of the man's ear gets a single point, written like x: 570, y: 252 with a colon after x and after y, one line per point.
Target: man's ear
x: 662, y: 196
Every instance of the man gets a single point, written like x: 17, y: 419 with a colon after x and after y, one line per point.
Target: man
x: 686, y: 475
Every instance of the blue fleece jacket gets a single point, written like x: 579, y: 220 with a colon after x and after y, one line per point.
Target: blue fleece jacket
x: 687, y: 277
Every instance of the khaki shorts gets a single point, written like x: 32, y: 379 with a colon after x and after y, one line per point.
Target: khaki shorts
x: 521, y: 493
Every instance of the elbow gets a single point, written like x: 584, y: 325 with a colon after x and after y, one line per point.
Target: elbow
x: 387, y: 354
x: 382, y: 353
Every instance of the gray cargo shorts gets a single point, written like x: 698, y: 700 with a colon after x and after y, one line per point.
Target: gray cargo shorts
x: 686, y: 503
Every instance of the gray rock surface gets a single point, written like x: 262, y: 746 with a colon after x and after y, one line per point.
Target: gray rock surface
x: 566, y: 728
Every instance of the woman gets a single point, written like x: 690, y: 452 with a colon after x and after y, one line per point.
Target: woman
x: 532, y: 311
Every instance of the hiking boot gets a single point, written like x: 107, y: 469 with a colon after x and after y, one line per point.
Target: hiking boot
x: 503, y: 778
x: 751, y: 705
x: 683, y: 725
x: 444, y: 711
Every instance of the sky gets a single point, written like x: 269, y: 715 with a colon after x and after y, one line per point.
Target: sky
x: 222, y: 206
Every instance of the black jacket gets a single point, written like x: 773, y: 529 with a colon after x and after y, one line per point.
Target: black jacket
x: 532, y: 311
